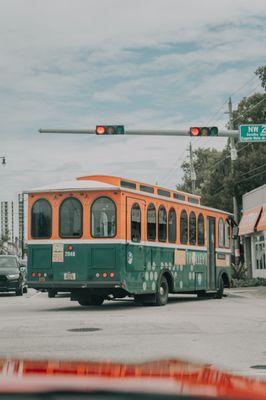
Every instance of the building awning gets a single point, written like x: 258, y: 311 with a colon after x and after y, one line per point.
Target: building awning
x: 262, y: 221
x: 249, y: 220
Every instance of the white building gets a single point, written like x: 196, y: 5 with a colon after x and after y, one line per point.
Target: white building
x: 252, y: 229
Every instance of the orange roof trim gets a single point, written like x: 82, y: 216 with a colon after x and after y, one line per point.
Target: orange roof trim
x: 116, y: 180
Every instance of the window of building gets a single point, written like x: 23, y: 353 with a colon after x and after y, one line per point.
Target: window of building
x: 41, y: 219
x: 103, y: 218
x: 135, y: 223
x: 183, y: 227
x: 172, y: 226
x: 192, y: 228
x: 162, y: 224
x: 151, y: 222
x: 201, y: 230
x: 70, y: 218
x: 221, y: 232
x: 260, y: 253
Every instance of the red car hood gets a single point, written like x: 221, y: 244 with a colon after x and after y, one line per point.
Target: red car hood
x: 165, y: 376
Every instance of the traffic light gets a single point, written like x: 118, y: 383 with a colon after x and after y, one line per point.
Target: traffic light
x: 110, y: 130
x: 203, y: 131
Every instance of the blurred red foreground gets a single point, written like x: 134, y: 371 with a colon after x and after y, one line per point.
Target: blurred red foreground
x: 165, y: 377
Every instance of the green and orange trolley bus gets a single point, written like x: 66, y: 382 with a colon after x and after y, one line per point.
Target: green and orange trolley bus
x: 105, y: 237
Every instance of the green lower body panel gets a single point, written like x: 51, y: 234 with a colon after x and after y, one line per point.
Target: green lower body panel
x: 119, y: 268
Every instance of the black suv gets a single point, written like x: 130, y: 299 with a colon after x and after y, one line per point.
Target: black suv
x: 12, y: 275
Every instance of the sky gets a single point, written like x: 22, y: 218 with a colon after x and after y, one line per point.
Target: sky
x: 143, y: 63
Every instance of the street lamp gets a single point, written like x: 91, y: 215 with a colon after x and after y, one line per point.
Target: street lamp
x: 3, y: 160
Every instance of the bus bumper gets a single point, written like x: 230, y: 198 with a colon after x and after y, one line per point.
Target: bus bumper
x: 67, y: 286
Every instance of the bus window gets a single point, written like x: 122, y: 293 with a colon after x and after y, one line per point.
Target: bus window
x: 192, y: 228
x: 70, y: 218
x: 201, y: 230
x: 41, y: 219
x: 135, y: 223
x: 221, y: 232
x: 183, y: 227
x: 151, y: 222
x: 103, y: 218
x: 172, y: 226
x: 227, y: 235
x: 162, y: 220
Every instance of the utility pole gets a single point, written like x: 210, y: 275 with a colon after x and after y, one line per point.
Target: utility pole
x: 233, y: 159
x: 21, y: 222
x: 192, y: 170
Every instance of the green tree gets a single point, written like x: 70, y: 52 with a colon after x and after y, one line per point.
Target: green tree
x: 216, y: 183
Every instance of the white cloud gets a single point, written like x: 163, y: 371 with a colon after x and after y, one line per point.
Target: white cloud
x: 152, y: 63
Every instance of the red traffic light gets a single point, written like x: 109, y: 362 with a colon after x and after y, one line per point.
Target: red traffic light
x: 110, y: 130
x: 203, y: 131
x: 100, y: 130
x: 194, y: 131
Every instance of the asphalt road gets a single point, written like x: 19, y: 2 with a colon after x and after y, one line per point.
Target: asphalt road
x: 228, y: 333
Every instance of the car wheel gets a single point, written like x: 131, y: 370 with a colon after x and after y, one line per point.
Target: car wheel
x: 25, y: 289
x: 19, y: 292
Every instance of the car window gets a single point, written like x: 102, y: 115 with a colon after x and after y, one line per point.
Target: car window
x: 9, y: 262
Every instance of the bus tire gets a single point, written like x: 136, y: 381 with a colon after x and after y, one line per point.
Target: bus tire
x: 145, y: 299
x: 97, y: 300
x: 91, y: 301
x: 220, y: 290
x: 161, y: 296
x: 202, y: 293
x: 51, y: 293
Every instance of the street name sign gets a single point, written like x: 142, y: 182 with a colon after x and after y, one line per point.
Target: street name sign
x: 252, y: 133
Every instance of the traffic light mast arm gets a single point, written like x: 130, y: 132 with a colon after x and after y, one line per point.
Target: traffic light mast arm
x: 141, y: 132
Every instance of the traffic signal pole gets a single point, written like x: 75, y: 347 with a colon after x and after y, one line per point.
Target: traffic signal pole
x: 233, y: 159
x: 142, y: 132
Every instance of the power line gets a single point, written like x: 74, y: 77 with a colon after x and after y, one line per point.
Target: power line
x: 182, y: 155
x: 243, y: 180
x: 235, y: 119
x: 252, y: 170
x: 253, y: 176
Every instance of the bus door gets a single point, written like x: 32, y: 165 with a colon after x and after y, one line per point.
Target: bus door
x: 211, y: 253
x: 135, y: 212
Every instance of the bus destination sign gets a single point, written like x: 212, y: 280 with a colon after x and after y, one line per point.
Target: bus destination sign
x: 252, y: 133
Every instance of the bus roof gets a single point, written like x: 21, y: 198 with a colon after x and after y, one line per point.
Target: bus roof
x: 106, y: 182
x: 74, y: 185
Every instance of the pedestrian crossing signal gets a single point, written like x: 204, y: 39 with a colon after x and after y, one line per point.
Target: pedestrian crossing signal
x: 203, y: 131
x: 110, y: 130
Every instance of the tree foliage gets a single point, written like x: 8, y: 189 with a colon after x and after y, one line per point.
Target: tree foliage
x: 216, y: 182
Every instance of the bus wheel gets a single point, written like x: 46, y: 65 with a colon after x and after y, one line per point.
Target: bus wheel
x: 161, y: 297
x: 202, y: 293
x: 91, y: 301
x: 51, y: 293
x: 220, y: 291
x: 97, y: 300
